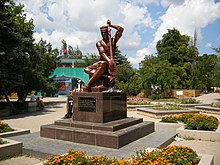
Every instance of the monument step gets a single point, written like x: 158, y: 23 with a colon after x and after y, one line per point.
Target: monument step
x: 109, y: 126
x: 114, y: 139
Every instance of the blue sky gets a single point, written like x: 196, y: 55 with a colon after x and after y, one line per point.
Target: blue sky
x: 144, y: 21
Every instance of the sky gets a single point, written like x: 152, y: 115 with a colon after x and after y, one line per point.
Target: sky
x: 144, y: 23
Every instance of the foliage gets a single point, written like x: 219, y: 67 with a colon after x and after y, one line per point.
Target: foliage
x: 119, y: 58
x: 177, y: 155
x: 170, y: 155
x: 182, y: 56
x: 202, y: 122
x: 174, y: 67
x: 4, y: 127
x: 216, y: 104
x: 175, y: 48
x: 131, y: 83
x: 43, y: 64
x: 2, y: 141
x: 77, y: 157
x: 209, y: 68
x: 168, y: 107
x: 156, y: 73
x: 16, y: 43
x: 187, y: 101
x: 194, y: 121
x: 90, y: 59
x: 24, y: 66
x: 155, y: 96
x: 138, y: 101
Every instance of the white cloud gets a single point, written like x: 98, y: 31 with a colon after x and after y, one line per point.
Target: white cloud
x: 190, y: 16
x: 208, y: 45
x: 167, y: 3
x: 78, y: 22
x: 139, y: 57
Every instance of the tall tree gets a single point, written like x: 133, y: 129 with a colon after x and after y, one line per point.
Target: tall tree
x: 177, y: 50
x: 16, y: 42
x: 119, y: 58
x: 209, y: 67
x: 158, y: 74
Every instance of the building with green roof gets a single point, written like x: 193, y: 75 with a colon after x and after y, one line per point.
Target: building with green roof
x: 69, y: 77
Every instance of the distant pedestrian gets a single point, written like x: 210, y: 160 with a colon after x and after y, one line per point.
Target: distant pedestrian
x: 40, y: 104
x: 33, y: 97
x: 69, y: 105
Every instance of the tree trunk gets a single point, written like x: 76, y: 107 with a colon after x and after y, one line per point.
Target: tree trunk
x: 12, y: 107
x: 22, y: 94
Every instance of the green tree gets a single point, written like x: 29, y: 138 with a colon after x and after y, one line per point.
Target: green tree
x: 119, y: 58
x: 209, y: 67
x: 43, y: 64
x: 128, y: 80
x: 16, y: 42
x: 176, y: 49
x: 156, y: 73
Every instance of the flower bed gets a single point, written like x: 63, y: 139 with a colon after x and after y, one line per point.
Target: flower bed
x: 187, y: 101
x: 7, y: 131
x: 11, y: 147
x: 138, y: 101
x: 169, y: 155
x: 194, y: 121
x: 148, y: 111
x: 167, y: 107
x: 4, y: 127
x: 2, y: 141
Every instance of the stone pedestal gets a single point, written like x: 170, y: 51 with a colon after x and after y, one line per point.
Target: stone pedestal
x: 100, y: 119
x: 99, y: 107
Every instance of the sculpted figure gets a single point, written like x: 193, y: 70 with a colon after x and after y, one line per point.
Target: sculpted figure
x: 102, y: 73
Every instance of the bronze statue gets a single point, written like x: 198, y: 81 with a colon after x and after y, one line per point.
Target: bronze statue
x: 102, y: 73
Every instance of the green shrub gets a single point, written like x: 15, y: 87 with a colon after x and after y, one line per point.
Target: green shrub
x: 187, y: 101
x: 216, y: 104
x: 2, y: 141
x: 155, y: 96
x: 168, y: 107
x: 4, y: 127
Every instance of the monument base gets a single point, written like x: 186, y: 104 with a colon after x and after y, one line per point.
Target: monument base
x: 99, y: 107
x: 114, y: 134
x: 100, y: 119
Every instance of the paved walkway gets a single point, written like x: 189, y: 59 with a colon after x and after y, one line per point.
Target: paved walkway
x: 55, y: 109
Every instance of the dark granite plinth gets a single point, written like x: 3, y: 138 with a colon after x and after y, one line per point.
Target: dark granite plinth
x: 99, y: 118
x: 99, y: 107
x: 114, y: 134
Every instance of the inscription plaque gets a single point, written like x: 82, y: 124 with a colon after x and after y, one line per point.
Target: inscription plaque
x: 87, y: 104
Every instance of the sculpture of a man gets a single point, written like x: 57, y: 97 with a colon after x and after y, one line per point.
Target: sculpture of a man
x: 102, y: 73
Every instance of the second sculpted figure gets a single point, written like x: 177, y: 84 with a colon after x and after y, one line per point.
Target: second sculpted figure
x: 102, y: 73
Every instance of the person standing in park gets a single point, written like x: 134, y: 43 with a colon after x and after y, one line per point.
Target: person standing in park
x: 105, y: 68
x: 69, y: 105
